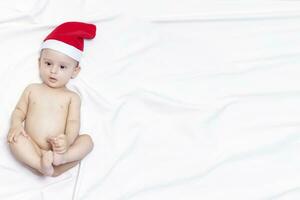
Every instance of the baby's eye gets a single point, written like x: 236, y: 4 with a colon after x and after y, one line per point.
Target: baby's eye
x: 47, y: 63
x: 63, y: 67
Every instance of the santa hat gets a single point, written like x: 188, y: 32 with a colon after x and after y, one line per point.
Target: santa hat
x: 68, y: 38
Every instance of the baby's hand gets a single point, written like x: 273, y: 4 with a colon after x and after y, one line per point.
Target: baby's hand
x: 59, y: 143
x: 14, y: 133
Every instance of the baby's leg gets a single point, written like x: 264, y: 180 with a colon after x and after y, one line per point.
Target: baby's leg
x: 77, y: 151
x: 58, y: 170
x: 28, y: 152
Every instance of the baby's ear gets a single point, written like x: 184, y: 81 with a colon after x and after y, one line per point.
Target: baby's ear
x: 76, y: 71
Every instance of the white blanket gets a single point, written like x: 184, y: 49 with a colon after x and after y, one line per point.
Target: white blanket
x: 188, y: 100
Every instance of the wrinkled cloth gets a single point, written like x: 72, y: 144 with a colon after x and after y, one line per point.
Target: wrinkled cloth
x: 192, y: 100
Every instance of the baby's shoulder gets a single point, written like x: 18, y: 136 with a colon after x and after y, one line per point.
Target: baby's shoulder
x: 73, y: 95
x: 31, y: 87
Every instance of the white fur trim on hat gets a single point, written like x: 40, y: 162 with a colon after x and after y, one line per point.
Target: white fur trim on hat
x: 62, y: 47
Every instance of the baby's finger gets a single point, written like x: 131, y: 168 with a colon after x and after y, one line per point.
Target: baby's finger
x: 59, y: 150
x: 55, y: 148
x: 50, y: 139
x: 9, y: 138
x: 61, y: 136
x: 15, y: 138
x: 56, y: 143
x: 62, y: 150
x: 60, y: 142
x: 24, y: 133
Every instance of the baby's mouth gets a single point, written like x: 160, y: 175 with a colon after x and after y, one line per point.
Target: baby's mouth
x: 51, y: 79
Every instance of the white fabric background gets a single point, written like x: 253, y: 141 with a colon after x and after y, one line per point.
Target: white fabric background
x: 184, y: 100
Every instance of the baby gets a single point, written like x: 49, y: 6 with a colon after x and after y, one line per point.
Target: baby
x: 44, y: 130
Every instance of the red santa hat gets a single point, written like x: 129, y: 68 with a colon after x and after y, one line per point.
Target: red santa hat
x: 68, y: 38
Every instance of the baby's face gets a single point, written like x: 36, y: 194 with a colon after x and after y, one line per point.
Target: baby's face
x: 56, y: 68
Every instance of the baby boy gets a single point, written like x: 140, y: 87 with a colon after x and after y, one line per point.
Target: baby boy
x: 45, y: 125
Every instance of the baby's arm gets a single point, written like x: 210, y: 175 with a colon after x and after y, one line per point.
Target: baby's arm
x: 18, y: 116
x: 73, y: 120
x: 61, y: 143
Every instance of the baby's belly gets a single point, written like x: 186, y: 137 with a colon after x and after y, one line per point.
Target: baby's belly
x: 42, y: 129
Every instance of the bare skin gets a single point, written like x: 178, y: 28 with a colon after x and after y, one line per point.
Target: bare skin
x: 44, y: 131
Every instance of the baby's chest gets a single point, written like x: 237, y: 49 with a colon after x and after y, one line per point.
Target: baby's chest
x: 48, y: 104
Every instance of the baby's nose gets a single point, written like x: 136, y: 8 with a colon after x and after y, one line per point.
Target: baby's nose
x: 54, y: 69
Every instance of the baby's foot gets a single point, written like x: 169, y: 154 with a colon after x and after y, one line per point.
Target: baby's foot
x: 58, y: 159
x: 46, y: 163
